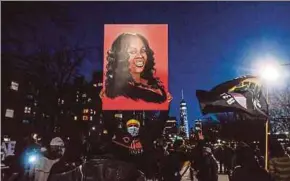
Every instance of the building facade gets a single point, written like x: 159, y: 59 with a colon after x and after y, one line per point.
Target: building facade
x: 170, y: 126
x: 34, y: 107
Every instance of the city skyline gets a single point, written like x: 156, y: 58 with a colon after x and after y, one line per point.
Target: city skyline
x: 209, y: 42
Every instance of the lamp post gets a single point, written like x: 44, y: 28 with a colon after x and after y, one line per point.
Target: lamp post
x: 269, y: 73
x: 267, y: 131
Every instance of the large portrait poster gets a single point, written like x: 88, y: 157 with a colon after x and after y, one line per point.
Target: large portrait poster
x: 135, y: 67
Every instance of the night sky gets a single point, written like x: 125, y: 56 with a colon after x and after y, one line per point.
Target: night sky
x: 209, y: 42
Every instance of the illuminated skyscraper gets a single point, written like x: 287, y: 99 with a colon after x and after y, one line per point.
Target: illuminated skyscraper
x: 184, y: 127
x: 170, y: 126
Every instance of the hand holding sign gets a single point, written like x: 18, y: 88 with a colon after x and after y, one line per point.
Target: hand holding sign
x: 136, y: 147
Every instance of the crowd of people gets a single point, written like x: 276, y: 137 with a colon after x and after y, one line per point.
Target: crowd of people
x: 63, y: 159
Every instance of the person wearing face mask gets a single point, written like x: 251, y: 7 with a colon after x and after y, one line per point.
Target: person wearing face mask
x: 133, y: 129
x: 130, y: 140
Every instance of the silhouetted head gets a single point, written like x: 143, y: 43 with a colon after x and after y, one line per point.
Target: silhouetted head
x: 276, y: 149
x: 246, y: 157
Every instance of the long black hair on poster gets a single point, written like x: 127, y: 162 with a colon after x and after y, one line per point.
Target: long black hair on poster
x: 118, y: 76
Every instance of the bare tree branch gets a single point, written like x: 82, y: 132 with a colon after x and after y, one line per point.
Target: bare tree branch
x: 280, y: 110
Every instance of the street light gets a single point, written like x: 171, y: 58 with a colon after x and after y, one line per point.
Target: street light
x: 269, y: 73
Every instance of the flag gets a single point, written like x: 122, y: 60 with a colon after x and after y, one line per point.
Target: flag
x: 243, y: 94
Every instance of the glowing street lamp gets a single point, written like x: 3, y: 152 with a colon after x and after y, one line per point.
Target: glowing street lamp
x: 269, y: 73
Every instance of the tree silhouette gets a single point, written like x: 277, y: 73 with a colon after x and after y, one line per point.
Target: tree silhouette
x: 38, y: 41
x: 280, y: 110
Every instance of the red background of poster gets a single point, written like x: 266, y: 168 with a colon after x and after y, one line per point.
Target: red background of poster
x: 157, y: 36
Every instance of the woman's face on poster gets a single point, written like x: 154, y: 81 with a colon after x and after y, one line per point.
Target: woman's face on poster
x: 137, y: 55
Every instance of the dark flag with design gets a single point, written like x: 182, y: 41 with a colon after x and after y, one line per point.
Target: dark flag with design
x: 243, y: 94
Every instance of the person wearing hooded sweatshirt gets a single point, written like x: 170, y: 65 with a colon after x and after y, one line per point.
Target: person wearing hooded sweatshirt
x: 279, y: 164
x: 248, y: 168
x: 208, y: 170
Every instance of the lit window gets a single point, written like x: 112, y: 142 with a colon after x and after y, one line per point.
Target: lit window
x: 91, y: 118
x: 27, y: 109
x: 35, y: 103
x: 9, y: 113
x: 92, y: 111
x: 85, y: 118
x: 100, y: 84
x: 62, y: 101
x: 89, y: 100
x: 77, y: 100
x: 14, y: 85
x: 85, y: 111
x: 25, y: 121
x: 95, y: 85
x: 30, y: 96
x: 84, y: 95
x: 118, y: 116
x: 75, y: 118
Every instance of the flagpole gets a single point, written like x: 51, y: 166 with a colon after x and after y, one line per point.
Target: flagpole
x: 266, y: 131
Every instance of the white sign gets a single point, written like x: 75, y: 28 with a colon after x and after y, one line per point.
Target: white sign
x: 7, y: 149
x: 9, y: 113
x: 229, y: 98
